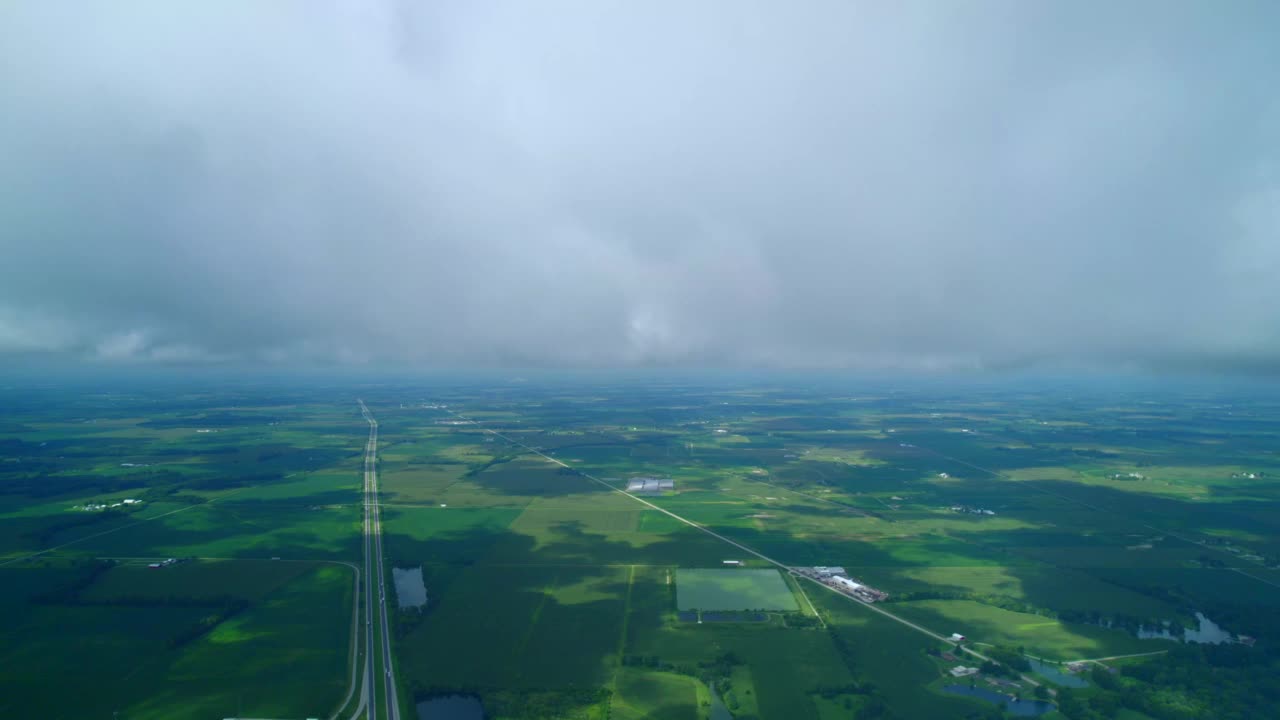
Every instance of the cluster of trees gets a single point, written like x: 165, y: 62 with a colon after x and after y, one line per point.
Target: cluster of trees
x: 1223, y: 682
x: 406, y: 621
x: 524, y: 703
x: 800, y: 620
x: 1084, y: 617
x: 1118, y: 621
x: 71, y: 593
x: 1004, y: 602
x: 214, y: 601
x: 41, y: 480
x: 68, y: 593
x: 46, y: 532
x: 853, y: 688
x: 873, y: 705
x: 647, y: 661
x: 477, y: 468
x: 716, y: 670
x: 204, y: 625
x: 1010, y: 657
x: 227, y: 481
x: 994, y: 668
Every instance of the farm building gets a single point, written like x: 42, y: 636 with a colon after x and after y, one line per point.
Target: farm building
x: 649, y: 485
x: 846, y: 583
x: 956, y: 637
x: 734, y: 563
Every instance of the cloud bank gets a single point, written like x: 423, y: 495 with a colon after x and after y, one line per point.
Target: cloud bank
x: 871, y: 185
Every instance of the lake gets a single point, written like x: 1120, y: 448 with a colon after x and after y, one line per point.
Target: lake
x: 1025, y: 708
x: 1055, y: 674
x: 410, y: 590
x: 1207, y: 632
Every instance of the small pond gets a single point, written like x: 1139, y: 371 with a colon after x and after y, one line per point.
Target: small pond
x: 410, y: 590
x: 451, y: 707
x: 1207, y: 632
x: 1056, y: 675
x: 1024, y: 708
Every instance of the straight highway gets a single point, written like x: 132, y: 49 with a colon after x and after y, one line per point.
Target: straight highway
x: 377, y: 642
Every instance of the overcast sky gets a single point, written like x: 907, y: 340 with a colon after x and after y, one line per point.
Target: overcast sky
x: 796, y: 184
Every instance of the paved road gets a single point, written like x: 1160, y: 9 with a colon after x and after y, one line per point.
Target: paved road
x: 377, y: 629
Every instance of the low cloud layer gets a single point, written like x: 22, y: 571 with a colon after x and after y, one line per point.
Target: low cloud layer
x: 845, y: 184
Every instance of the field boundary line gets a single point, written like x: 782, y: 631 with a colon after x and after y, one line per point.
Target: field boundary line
x: 626, y: 618
x: 805, y: 595
x: 46, y: 551
x: 537, y: 615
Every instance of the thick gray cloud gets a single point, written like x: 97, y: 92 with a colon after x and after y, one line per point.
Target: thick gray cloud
x: 929, y: 184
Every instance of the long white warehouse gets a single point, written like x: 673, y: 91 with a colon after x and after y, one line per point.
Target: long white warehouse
x: 846, y: 583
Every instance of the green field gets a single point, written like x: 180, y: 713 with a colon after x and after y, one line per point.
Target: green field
x: 1043, y: 521
x: 641, y: 694
x: 736, y: 589
x: 119, y: 639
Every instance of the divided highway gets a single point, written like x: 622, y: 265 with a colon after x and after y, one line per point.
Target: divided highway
x: 377, y: 643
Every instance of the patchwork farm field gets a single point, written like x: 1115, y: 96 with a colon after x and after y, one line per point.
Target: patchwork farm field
x: 1056, y: 523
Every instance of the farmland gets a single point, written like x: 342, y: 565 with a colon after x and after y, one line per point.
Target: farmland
x: 1058, y: 522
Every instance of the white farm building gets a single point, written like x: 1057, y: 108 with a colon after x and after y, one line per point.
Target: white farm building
x: 846, y: 583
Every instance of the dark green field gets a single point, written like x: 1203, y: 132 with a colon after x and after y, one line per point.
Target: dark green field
x: 1061, y: 521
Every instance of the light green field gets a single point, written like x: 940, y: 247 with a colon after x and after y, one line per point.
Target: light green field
x: 733, y: 589
x: 1043, y: 586
x: 1041, y: 636
x: 643, y: 694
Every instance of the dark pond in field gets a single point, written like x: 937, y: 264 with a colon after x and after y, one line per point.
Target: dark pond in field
x: 1208, y: 632
x: 410, y: 590
x: 1056, y: 675
x: 1024, y: 708
x: 451, y: 707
